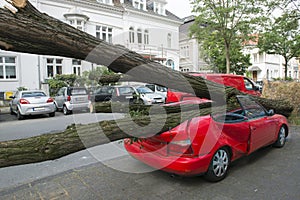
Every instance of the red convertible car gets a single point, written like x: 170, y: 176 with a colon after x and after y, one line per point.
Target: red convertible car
x: 206, y: 145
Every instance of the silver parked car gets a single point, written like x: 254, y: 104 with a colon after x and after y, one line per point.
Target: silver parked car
x: 148, y: 97
x: 69, y: 99
x: 31, y: 102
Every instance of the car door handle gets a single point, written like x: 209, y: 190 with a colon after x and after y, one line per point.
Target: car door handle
x: 253, y: 128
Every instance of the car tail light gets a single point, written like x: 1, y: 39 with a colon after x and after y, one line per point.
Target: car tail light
x: 89, y: 97
x: 24, y: 101
x: 69, y: 98
x: 181, y: 147
x: 50, y: 100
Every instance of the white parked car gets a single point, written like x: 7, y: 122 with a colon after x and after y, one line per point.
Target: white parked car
x: 69, y: 99
x: 31, y: 102
x: 148, y: 97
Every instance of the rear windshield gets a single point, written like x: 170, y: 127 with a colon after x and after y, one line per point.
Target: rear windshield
x: 78, y: 91
x: 33, y: 94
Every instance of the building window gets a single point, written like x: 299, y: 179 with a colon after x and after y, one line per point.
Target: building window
x: 170, y: 63
x: 8, y: 68
x: 169, y: 38
x: 77, y: 23
x: 185, y: 51
x: 146, y: 37
x: 159, y: 8
x: 139, y: 4
x: 54, y: 67
x: 139, y: 36
x: 76, y: 67
x: 183, y: 69
x: 105, y: 1
x: 104, y: 33
x: 131, y: 35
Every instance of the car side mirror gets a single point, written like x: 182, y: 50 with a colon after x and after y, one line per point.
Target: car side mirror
x: 271, y: 112
x: 11, y: 97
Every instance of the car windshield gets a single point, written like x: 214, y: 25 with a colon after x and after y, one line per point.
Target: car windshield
x: 104, y: 90
x: 78, y: 91
x: 125, y: 90
x: 161, y: 89
x: 33, y: 94
x: 144, y: 90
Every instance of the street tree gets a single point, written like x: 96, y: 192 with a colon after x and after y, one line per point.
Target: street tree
x: 282, y: 38
x: 230, y: 22
x: 212, y: 47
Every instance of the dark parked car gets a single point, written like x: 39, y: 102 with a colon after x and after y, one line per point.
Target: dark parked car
x: 102, y: 94
x: 124, y: 94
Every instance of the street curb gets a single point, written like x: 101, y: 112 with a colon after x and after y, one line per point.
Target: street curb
x: 4, y: 110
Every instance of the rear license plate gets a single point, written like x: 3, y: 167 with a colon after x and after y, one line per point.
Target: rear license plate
x: 38, y: 109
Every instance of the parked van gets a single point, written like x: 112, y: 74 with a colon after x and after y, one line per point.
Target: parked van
x: 158, y: 89
x: 241, y: 83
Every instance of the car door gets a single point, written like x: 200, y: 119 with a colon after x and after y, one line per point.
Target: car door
x: 60, y: 98
x: 262, y: 127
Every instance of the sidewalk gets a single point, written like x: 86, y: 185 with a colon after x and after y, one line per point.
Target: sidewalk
x: 4, y: 110
x: 75, y: 176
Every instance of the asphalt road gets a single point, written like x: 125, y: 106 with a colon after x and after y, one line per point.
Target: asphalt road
x: 11, y: 128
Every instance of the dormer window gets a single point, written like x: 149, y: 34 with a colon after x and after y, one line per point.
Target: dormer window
x: 76, y: 18
x: 159, y: 8
x: 139, y: 4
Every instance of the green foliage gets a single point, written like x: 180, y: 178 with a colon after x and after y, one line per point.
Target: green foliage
x: 222, y: 27
x: 21, y: 88
x: 98, y: 76
x: 212, y: 48
x: 282, y: 37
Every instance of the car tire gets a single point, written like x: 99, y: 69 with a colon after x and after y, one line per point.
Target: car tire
x: 218, y: 167
x: 19, y: 115
x: 52, y: 114
x: 65, y: 110
x: 281, y: 138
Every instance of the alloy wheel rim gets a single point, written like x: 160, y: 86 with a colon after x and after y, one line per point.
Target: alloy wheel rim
x: 282, y: 135
x: 220, y: 163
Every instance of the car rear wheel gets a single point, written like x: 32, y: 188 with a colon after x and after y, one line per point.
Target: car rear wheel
x: 218, y: 166
x: 66, y: 111
x: 281, y: 138
x: 52, y: 114
x: 19, y: 115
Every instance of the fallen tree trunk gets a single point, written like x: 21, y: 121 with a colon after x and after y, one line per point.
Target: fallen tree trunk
x: 79, y: 137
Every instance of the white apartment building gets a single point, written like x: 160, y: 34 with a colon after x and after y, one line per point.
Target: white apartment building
x: 190, y: 53
x: 269, y: 66
x: 144, y: 26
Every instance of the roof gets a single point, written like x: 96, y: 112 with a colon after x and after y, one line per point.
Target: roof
x: 169, y: 15
x: 128, y: 5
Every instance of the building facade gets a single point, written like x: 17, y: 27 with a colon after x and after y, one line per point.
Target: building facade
x: 190, y: 53
x: 144, y: 26
x: 269, y: 66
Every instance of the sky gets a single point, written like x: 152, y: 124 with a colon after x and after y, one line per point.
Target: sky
x: 180, y: 8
